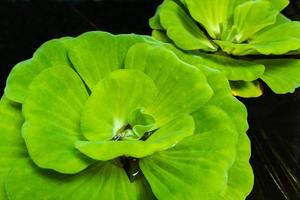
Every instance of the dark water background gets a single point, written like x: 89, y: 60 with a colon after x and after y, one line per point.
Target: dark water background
x: 274, y: 119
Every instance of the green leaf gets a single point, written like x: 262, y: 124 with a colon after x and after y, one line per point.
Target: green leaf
x: 246, y: 89
x: 279, y: 4
x: 154, y: 21
x: 122, y: 92
x: 204, y: 12
x: 12, y: 146
x: 213, y: 15
x: 281, y: 19
x: 274, y: 40
x: 241, y: 169
x: 161, y: 36
x: 189, y: 117
x: 164, y: 138
x: 104, y: 180
x: 196, y: 168
x: 51, y: 53
x: 240, y: 175
x: 233, y: 69
x: 217, y: 81
x: 278, y: 39
x: 94, y: 62
x: 251, y: 17
x: 282, y: 75
x: 223, y: 98
x: 140, y: 122
x: 182, y: 88
x: 52, y: 112
x: 205, y: 159
x: 181, y: 28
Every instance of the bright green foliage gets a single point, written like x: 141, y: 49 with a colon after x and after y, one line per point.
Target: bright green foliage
x: 52, y: 111
x: 112, y: 51
x: 122, y: 117
x: 104, y: 180
x: 251, y: 17
x: 51, y: 53
x: 12, y: 147
x: 131, y: 90
x: 174, y: 89
x: 280, y: 74
x: 232, y: 31
x: 180, y: 26
x: 164, y: 138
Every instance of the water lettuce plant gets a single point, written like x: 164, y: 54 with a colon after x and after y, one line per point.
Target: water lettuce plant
x: 249, y: 40
x: 110, y: 117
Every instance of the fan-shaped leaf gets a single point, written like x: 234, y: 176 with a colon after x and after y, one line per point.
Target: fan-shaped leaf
x: 213, y: 15
x: 154, y: 21
x: 239, y: 186
x: 181, y: 28
x: 237, y: 112
x: 222, y: 96
x: 12, y: 146
x: 234, y: 69
x: 199, y: 161
x: 279, y: 4
x: 113, y: 100
x: 182, y: 88
x: 103, y: 53
x: 251, y: 17
x: 52, y: 112
x: 51, y: 54
x: 282, y: 75
x: 276, y: 40
x: 104, y: 180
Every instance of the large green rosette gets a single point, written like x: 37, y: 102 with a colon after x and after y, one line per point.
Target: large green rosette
x: 229, y: 35
x: 112, y: 117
